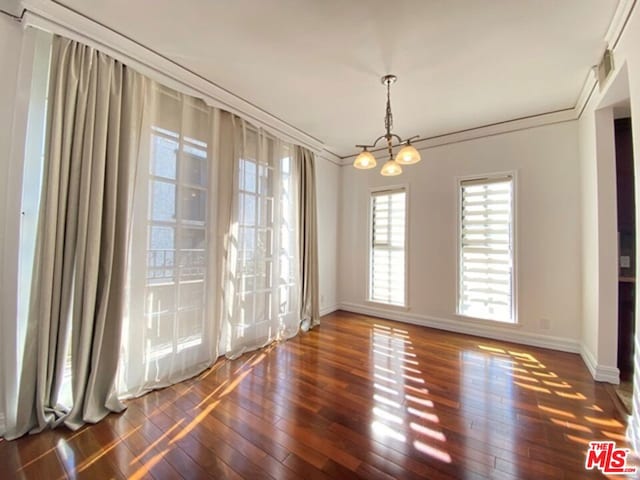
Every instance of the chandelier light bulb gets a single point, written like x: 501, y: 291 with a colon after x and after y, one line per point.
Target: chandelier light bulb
x: 391, y: 169
x: 408, y: 155
x: 365, y: 160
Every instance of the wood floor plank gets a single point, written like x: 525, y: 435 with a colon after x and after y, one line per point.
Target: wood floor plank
x: 357, y: 397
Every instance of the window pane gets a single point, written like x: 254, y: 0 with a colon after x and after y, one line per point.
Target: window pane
x: 192, y: 296
x: 387, y: 269
x: 248, y: 176
x: 265, y: 242
x: 162, y: 238
x: 193, y: 204
x: 160, y: 266
x: 194, y: 166
x: 160, y: 299
x: 265, y: 214
x: 163, y: 156
x: 265, y: 179
x: 247, y: 212
x: 192, y: 264
x: 163, y: 201
x: 486, y: 249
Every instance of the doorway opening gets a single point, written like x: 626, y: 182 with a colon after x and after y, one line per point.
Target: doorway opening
x: 626, y: 244
x: 617, y: 206
x: 625, y: 175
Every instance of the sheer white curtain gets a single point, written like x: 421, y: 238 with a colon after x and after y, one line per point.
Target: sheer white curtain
x: 215, y: 264
x: 171, y: 329
x: 261, y: 271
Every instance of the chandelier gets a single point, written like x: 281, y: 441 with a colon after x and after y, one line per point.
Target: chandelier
x: 407, y: 155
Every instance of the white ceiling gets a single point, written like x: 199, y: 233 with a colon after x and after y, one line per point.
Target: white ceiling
x: 316, y: 64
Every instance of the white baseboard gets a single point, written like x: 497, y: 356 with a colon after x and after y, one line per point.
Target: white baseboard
x: 327, y: 310
x: 508, y: 333
x: 600, y: 373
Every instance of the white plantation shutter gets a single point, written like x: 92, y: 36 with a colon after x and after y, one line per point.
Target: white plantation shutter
x: 486, y: 249
x: 387, y: 270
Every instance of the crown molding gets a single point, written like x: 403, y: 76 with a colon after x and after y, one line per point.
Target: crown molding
x: 59, y: 19
x: 588, y: 87
x: 500, y: 128
x: 11, y: 8
x: 329, y: 157
x: 493, y: 129
x: 618, y: 22
x: 612, y: 37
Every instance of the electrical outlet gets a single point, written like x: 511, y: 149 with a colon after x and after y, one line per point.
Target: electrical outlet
x: 321, y: 299
x: 545, y: 324
x: 625, y: 261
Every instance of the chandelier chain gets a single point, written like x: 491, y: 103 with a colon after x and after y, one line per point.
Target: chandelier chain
x: 388, y: 119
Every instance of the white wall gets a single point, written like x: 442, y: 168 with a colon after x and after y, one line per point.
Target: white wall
x: 328, y: 197
x: 545, y: 160
x: 599, y: 227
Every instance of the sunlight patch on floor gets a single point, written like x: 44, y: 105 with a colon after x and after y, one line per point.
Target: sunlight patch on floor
x: 403, y: 410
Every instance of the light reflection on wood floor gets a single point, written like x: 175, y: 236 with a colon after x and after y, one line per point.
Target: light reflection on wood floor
x: 357, y: 397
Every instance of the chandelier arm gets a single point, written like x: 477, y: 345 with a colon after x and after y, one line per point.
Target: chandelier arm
x: 399, y: 139
x: 378, y: 139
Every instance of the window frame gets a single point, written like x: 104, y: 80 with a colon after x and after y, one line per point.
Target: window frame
x: 513, y: 175
x: 396, y: 188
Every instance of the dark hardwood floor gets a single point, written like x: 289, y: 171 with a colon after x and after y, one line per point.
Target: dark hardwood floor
x: 357, y: 397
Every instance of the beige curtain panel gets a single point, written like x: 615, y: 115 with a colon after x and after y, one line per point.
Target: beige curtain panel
x: 78, y: 285
x: 308, y: 238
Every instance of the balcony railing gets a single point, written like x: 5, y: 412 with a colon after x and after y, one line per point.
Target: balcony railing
x: 163, y: 266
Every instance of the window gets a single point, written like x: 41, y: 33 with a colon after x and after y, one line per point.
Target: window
x: 168, y: 331
x: 486, y: 249
x: 387, y: 255
x: 176, y: 252
x: 262, y: 300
